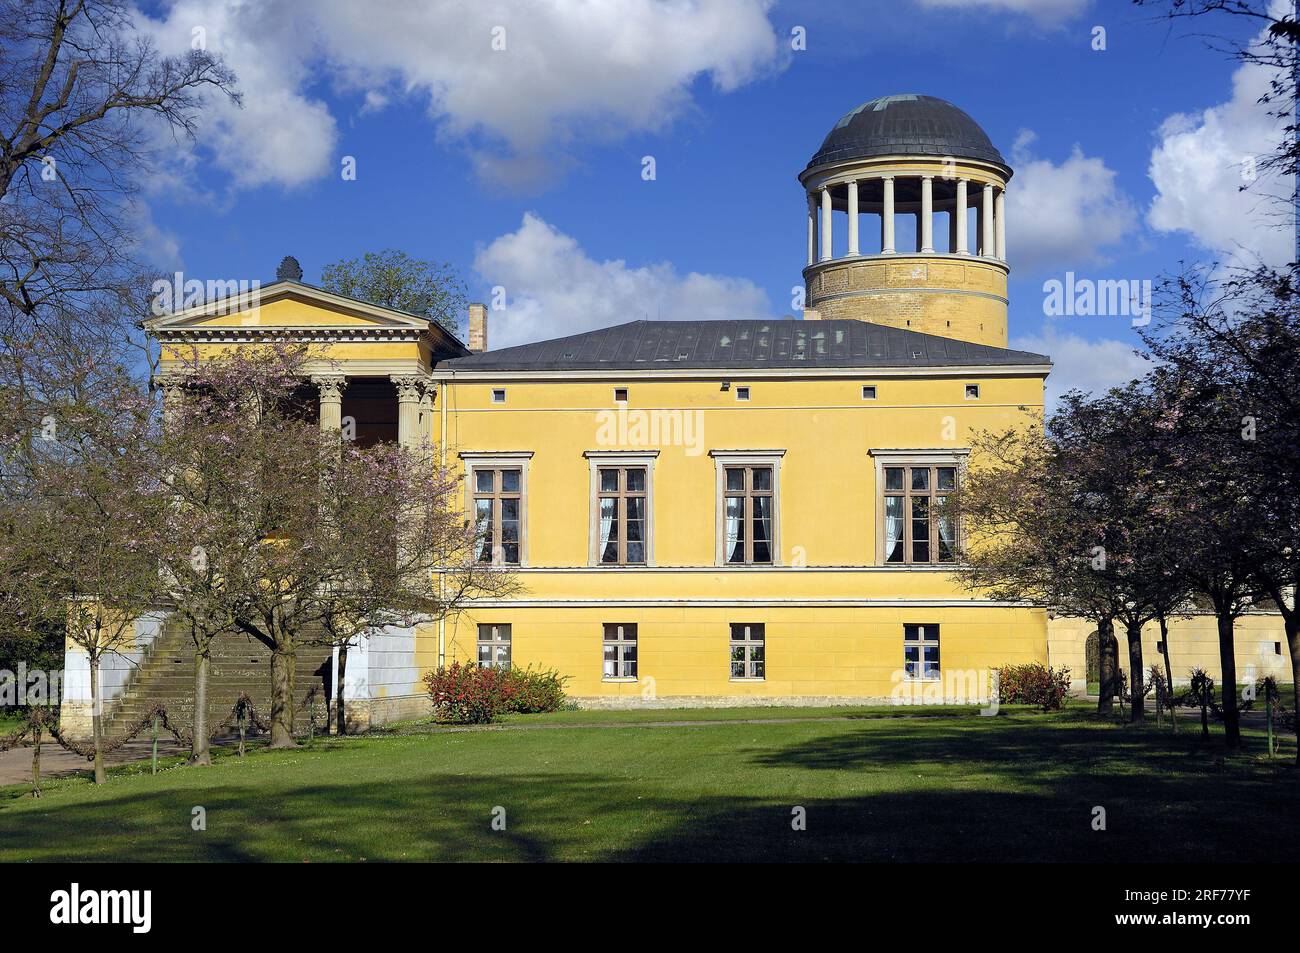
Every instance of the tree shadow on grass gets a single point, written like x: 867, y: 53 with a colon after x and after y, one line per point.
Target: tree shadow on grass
x: 910, y: 791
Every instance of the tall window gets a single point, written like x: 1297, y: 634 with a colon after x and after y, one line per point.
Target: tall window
x: 748, y: 515
x: 493, y: 645
x: 747, y: 639
x: 497, y: 502
x: 921, y: 651
x: 620, y: 649
x: 914, y: 531
x: 622, y: 501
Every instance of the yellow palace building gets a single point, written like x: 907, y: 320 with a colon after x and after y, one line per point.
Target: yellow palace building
x: 724, y: 512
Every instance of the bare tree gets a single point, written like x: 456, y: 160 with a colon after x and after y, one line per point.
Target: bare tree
x: 80, y: 94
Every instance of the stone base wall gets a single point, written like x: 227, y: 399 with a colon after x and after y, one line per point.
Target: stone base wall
x: 366, y: 713
x: 629, y: 702
x: 950, y: 296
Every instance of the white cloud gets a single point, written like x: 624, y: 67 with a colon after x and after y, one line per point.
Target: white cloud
x: 281, y: 135
x: 1082, y: 364
x: 554, y: 288
x: 568, y: 70
x: 1043, y: 11
x: 1063, y: 216
x: 1200, y: 164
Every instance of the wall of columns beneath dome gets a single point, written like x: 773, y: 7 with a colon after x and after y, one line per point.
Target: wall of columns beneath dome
x: 945, y: 274
x: 973, y: 213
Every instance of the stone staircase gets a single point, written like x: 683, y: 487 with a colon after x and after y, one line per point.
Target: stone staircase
x: 239, y: 664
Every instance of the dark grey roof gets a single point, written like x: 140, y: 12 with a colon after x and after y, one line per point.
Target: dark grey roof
x: 754, y: 344
x: 906, y: 124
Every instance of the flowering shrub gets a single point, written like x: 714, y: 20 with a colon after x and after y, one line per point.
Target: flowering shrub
x: 468, y: 694
x: 1033, y: 684
x: 528, y: 692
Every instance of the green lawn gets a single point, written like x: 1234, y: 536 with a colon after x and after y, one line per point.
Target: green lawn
x: 933, y: 785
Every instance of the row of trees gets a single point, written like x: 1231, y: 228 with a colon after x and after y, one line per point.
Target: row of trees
x: 1174, y: 494
x: 236, y: 515
x: 225, y: 506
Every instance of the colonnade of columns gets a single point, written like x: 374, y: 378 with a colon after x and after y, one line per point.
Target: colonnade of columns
x: 990, y: 214
x: 414, y: 406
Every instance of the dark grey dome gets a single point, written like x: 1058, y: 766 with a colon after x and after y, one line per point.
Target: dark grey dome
x: 906, y: 124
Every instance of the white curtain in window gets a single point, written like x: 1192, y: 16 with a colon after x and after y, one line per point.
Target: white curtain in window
x: 606, y: 526
x: 893, y: 528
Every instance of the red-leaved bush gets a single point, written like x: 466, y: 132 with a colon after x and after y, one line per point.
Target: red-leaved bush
x: 1033, y: 684
x: 468, y: 694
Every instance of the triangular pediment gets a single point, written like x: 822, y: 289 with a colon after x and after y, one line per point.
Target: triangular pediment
x: 287, y: 305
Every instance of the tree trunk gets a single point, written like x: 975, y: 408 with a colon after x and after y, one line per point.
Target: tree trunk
x: 1164, y: 650
x: 343, y: 670
x: 199, y: 750
x: 1292, y: 623
x: 96, y: 726
x: 1138, y: 709
x: 1107, y: 652
x: 282, y: 672
x: 1228, y: 681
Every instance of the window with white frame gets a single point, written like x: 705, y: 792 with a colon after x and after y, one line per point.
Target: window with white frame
x: 748, y: 511
x: 921, y: 651
x: 916, y: 528
x: 621, y: 504
x: 494, y: 645
x: 619, y: 650
x: 747, y: 656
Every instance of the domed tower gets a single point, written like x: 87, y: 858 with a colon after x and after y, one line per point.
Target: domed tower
x: 911, y: 156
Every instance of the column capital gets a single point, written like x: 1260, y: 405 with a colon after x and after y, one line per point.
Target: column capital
x: 172, y: 385
x: 409, y: 387
x: 330, y: 386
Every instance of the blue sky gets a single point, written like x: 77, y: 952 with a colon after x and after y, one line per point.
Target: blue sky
x: 522, y: 167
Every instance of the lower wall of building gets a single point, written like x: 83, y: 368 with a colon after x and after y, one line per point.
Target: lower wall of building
x: 813, y: 655
x: 1260, y: 643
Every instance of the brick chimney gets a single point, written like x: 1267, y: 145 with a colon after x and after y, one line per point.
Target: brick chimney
x: 477, y: 327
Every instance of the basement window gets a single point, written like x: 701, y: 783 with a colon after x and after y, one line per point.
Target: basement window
x: 498, y: 395
x: 868, y: 391
x: 921, y: 651
x: 972, y: 391
x: 742, y: 393
x: 620, y: 395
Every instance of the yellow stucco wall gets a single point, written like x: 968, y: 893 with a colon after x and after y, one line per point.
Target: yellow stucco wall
x: 1193, y: 643
x: 834, y: 615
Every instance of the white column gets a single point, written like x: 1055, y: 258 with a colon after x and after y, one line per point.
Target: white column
x: 887, y: 218
x: 1000, y: 224
x: 853, y: 217
x: 812, y: 229
x: 986, y: 223
x: 963, y: 229
x: 927, y: 213
x: 409, y: 391
x: 826, y: 224
x: 330, y: 388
